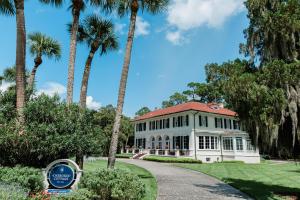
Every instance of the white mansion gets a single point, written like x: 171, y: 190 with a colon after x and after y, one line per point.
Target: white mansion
x: 206, y: 132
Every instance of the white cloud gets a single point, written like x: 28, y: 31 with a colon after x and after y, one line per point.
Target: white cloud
x: 175, y: 37
x: 5, y: 85
x: 52, y: 88
x: 91, y: 104
x: 184, y: 15
x: 142, y: 27
x: 119, y: 28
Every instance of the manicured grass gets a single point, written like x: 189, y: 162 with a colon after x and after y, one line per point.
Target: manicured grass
x: 261, y: 181
x: 124, y: 155
x: 171, y: 159
x: 147, y: 178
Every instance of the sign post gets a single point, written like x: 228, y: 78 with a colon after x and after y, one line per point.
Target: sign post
x: 61, y: 176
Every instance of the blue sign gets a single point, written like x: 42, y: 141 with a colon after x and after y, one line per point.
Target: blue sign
x: 61, y: 176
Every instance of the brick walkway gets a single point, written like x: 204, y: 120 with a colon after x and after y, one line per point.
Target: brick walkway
x: 182, y: 184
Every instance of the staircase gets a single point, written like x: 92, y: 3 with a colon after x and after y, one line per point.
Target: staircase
x: 138, y: 155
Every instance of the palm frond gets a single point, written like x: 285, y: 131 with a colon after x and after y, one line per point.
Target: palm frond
x: 7, y: 7
x: 154, y: 6
x: 97, y: 32
x: 40, y: 44
x: 56, y: 3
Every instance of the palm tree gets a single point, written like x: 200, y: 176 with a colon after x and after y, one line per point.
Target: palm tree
x: 77, y: 6
x: 96, y: 33
x: 41, y: 45
x: 123, y: 7
x: 16, y: 7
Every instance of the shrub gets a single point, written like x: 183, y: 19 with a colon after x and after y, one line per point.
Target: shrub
x: 52, y: 131
x: 25, y: 177
x: 113, y: 184
x: 12, y: 192
x: 171, y: 159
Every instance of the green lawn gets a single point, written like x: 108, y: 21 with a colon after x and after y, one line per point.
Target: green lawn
x: 261, y: 181
x: 146, y: 177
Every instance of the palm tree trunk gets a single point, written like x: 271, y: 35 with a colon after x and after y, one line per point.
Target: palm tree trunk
x: 72, y: 56
x: 83, y: 93
x: 37, y: 62
x: 122, y: 88
x: 85, y: 78
x: 20, y: 60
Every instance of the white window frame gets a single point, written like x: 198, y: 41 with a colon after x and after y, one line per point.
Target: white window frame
x: 230, y: 143
x: 207, y: 139
x: 239, y: 145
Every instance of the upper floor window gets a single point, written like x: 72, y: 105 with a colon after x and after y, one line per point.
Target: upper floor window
x: 227, y: 124
x: 239, y: 144
x: 203, y: 121
x: 218, y: 122
x: 236, y: 125
x: 140, y: 127
x: 227, y: 143
x: 159, y: 124
x: 181, y: 121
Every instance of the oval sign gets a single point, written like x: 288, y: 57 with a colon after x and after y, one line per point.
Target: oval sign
x: 61, y: 176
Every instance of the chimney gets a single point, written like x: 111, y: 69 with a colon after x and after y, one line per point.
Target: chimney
x: 221, y: 105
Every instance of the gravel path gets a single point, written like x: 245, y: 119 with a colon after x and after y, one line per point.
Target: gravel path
x: 175, y: 183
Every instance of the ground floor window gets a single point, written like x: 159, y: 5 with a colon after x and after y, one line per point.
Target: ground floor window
x: 227, y: 143
x: 239, y: 144
x: 181, y: 142
x: 141, y: 143
x: 208, y: 142
x: 249, y: 145
x: 153, y: 143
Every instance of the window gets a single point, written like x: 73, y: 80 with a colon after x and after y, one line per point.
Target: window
x: 181, y: 121
x: 212, y: 142
x: 227, y: 143
x: 208, y: 142
x: 218, y: 122
x: 140, y: 127
x: 203, y: 121
x: 186, y: 121
x: 201, y: 142
x: 140, y: 143
x: 159, y: 142
x: 239, y: 144
x: 235, y: 124
x: 249, y: 146
x: 153, y: 143
x: 181, y: 142
x: 227, y: 123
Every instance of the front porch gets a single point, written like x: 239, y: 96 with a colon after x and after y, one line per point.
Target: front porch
x: 161, y: 152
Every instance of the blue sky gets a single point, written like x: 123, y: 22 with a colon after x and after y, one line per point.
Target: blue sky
x: 170, y: 50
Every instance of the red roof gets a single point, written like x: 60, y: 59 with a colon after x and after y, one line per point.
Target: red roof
x: 208, y: 108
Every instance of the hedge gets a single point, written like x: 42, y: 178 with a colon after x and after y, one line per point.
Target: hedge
x: 171, y: 159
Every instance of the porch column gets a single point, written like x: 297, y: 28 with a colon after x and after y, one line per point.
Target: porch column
x: 166, y: 152
x: 156, y: 151
x: 177, y: 153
